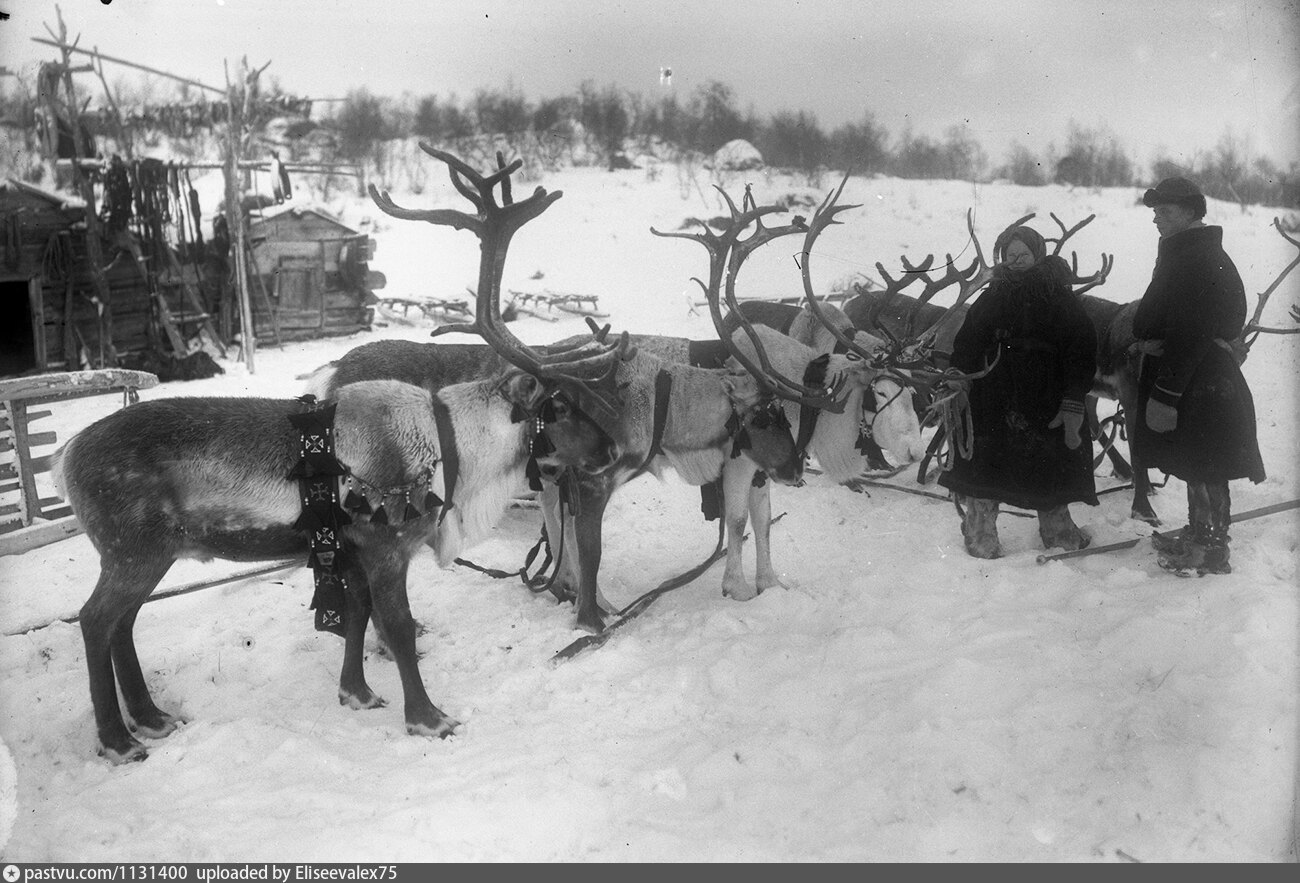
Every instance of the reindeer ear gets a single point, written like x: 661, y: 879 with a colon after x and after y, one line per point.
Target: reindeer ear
x: 524, y: 390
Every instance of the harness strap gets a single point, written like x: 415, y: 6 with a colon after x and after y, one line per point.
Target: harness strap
x: 447, y: 449
x: 807, y: 425
x: 317, y: 471
x: 663, y: 390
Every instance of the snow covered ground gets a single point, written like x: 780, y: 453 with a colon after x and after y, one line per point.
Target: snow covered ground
x: 897, y: 701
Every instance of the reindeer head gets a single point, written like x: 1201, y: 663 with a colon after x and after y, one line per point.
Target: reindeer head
x: 574, y: 387
x: 764, y: 434
x: 563, y: 433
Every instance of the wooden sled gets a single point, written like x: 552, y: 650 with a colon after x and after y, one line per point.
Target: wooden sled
x: 28, y: 519
x: 542, y: 304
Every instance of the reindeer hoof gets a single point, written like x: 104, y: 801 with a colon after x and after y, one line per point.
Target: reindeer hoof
x: 739, y: 593
x: 593, y: 622
x: 440, y: 729
x: 132, y: 752
x: 156, y: 725
x: 361, y: 700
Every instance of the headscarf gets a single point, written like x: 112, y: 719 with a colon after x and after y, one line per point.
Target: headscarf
x: 1032, y: 239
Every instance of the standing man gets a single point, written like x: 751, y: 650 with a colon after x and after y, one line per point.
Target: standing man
x: 1196, y: 416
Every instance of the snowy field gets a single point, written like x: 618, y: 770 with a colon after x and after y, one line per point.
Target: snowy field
x: 896, y: 701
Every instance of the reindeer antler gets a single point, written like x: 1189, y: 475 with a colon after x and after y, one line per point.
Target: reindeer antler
x: 1253, y: 328
x: 1107, y: 260
x: 727, y: 252
x: 494, y: 224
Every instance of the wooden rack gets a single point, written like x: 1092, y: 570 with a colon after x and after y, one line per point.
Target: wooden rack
x: 29, y: 520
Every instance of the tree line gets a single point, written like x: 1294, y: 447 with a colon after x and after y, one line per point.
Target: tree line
x: 610, y: 117
x: 609, y: 121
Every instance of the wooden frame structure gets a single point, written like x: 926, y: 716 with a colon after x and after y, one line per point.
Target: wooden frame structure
x: 31, y: 513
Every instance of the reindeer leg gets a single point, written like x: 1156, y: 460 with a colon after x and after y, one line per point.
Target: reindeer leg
x: 354, y: 692
x: 737, y: 482
x: 587, y: 540
x: 1142, y: 490
x: 122, y: 587
x: 565, y: 585
x: 1141, y: 509
x: 760, y: 515
x: 386, y: 569
x: 147, y: 719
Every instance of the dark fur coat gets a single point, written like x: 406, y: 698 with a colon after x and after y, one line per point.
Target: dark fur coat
x: 1194, y: 305
x: 1046, y: 349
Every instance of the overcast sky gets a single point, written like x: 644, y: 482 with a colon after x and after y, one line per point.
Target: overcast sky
x: 1168, y: 77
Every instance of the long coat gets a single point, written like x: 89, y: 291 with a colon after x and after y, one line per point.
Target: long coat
x: 1046, y: 348
x: 1194, y: 305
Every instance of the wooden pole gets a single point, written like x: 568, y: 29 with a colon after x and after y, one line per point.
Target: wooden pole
x: 237, y: 96
x: 153, y: 70
x: 86, y: 190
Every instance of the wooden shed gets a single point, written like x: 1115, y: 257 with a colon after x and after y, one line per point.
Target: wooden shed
x: 311, y: 276
x: 50, y: 314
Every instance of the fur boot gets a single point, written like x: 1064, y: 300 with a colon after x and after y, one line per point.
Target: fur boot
x: 979, y: 528
x: 1058, y: 529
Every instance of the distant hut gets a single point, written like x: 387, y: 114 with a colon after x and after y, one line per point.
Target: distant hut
x: 50, y: 316
x: 311, y: 274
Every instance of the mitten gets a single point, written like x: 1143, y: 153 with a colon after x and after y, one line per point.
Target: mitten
x: 1070, y: 417
x: 1161, y: 417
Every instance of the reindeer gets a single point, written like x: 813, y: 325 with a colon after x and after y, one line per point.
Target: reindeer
x: 700, y: 415
x: 827, y: 433
x: 668, y: 410
x: 890, y: 410
x: 210, y: 477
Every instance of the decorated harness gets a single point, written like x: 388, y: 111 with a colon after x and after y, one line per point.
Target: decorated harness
x: 333, y: 497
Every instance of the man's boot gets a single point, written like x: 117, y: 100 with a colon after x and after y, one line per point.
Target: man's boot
x: 979, y: 528
x: 1215, y: 559
x: 1201, y: 548
x: 1185, y: 554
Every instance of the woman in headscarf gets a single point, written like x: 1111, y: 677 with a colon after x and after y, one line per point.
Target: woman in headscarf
x: 1030, y: 447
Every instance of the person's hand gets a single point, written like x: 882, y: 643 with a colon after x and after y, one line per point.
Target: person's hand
x: 1151, y: 347
x: 1071, y: 421
x: 1161, y: 417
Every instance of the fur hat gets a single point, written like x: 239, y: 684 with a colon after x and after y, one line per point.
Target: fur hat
x: 1176, y: 191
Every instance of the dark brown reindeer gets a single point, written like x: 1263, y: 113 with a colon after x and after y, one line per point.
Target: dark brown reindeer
x: 922, y: 332
x: 213, y: 478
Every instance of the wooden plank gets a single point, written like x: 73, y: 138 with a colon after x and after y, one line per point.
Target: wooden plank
x: 40, y: 464
x: 37, y: 534
x: 28, y: 498
x: 74, y: 383
x: 1130, y: 543
x: 37, y: 439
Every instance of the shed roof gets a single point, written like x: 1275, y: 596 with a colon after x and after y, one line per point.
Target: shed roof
x: 273, y: 212
x: 58, y: 198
